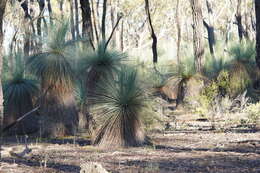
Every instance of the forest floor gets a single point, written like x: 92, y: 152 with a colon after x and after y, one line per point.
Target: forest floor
x: 183, y: 150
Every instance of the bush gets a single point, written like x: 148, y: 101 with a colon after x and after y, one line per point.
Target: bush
x: 253, y: 111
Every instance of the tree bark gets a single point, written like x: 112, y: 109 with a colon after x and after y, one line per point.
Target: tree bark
x: 2, y: 11
x: 178, y: 31
x: 103, y: 27
x: 211, y: 36
x: 210, y: 28
x: 72, y: 24
x: 257, y: 12
x: 154, y: 44
x: 94, y: 26
x: 50, y: 10
x: 198, y: 43
x: 239, y: 20
x: 77, y: 17
x: 122, y: 37
x: 86, y: 19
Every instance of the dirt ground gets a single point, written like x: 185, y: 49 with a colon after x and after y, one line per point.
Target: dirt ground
x: 173, y: 151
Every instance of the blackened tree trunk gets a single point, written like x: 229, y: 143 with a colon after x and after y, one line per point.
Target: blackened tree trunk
x: 103, y: 27
x: 41, y: 4
x: 50, y: 10
x: 154, y: 45
x: 257, y: 12
x: 210, y: 28
x: 211, y: 36
x: 198, y: 43
x: 86, y: 19
x: 2, y: 11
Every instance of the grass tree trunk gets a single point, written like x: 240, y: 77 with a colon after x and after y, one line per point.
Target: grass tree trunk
x: 2, y: 10
x: 59, y: 110
x: 257, y: 12
x: 198, y: 43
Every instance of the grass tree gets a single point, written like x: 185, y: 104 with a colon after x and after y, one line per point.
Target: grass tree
x: 185, y: 81
x: 242, y: 68
x: 53, y: 68
x: 19, y: 93
x: 99, y: 64
x: 119, y: 102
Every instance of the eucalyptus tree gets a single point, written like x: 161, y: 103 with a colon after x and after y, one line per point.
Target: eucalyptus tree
x: 198, y: 43
x: 257, y: 12
x: 2, y: 12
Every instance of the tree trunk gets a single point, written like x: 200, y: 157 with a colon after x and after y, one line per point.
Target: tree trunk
x: 77, y: 18
x: 50, y: 10
x: 41, y: 4
x: 178, y: 31
x: 86, y: 19
x: 154, y: 45
x: 210, y: 28
x: 2, y: 11
x: 122, y: 37
x: 257, y: 12
x: 239, y: 20
x: 94, y: 21
x: 198, y: 43
x: 211, y: 37
x: 103, y: 27
x: 72, y: 25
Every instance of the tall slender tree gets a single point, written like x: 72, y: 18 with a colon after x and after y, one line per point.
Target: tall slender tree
x: 210, y: 28
x: 103, y: 27
x: 76, y: 17
x: 178, y: 30
x: 87, y: 29
x: 198, y: 43
x: 2, y: 11
x: 257, y: 12
x: 154, y: 45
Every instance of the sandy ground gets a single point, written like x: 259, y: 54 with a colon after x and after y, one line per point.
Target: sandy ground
x: 173, y: 151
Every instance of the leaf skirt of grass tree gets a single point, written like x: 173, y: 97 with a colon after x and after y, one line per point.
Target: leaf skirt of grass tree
x: 96, y: 65
x: 53, y: 68
x: 19, y: 93
x: 118, y: 103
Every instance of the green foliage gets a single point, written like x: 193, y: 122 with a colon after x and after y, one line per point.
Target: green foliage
x: 18, y: 91
x: 186, y: 69
x: 104, y: 62
x: 244, y: 51
x: 120, y: 100
x: 239, y: 79
x: 253, y: 111
x: 223, y: 82
x: 52, y: 65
